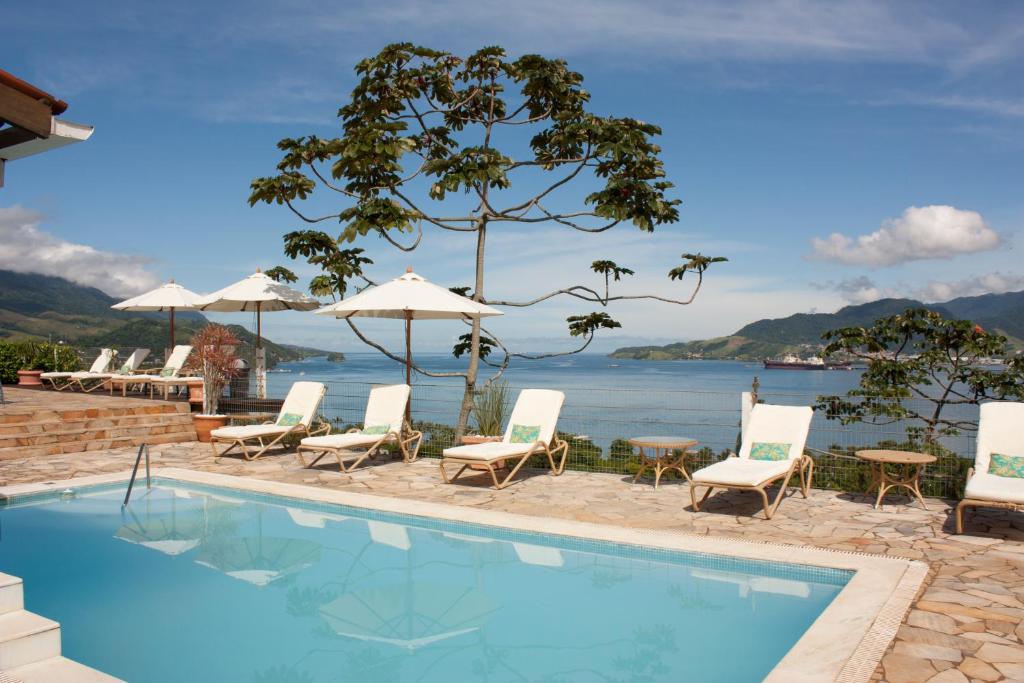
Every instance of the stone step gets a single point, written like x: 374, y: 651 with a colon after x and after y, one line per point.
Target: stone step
x: 43, y: 426
x: 180, y: 434
x: 59, y: 670
x: 26, y: 638
x: 53, y: 415
x: 63, y: 434
x: 12, y: 594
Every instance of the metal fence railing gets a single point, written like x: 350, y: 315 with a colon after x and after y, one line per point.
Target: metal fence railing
x: 597, y: 421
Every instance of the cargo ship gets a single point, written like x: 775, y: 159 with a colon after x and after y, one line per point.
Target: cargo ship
x: 813, y: 363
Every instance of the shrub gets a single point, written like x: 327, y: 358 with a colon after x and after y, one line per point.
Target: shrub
x: 32, y: 355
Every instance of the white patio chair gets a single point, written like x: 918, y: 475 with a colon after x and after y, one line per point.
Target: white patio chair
x: 997, y: 478
x: 530, y: 431
x: 383, y: 424
x: 172, y: 366
x: 91, y: 381
x: 772, y: 449
x: 63, y: 380
x: 296, y: 416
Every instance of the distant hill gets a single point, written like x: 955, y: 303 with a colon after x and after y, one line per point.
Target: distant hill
x: 36, y: 306
x: 801, y: 333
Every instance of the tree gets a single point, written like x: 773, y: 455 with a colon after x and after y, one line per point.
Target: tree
x: 919, y: 364
x: 420, y: 147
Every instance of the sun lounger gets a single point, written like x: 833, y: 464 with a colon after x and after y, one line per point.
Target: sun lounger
x: 172, y: 366
x: 997, y: 478
x: 773, y: 449
x: 384, y: 424
x: 90, y: 381
x: 63, y: 380
x: 530, y: 431
x: 296, y: 416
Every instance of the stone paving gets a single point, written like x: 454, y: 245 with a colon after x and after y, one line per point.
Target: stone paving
x: 967, y: 624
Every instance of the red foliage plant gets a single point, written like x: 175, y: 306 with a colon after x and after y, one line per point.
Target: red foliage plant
x: 213, y: 357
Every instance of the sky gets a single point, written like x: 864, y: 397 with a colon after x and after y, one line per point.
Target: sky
x: 836, y: 153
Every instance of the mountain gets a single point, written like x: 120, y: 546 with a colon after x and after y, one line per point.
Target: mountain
x: 801, y: 333
x: 36, y: 306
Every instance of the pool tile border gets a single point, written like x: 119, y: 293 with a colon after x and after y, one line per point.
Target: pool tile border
x: 845, y: 643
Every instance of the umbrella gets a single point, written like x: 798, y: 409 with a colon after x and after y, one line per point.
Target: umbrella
x: 168, y: 297
x: 409, y: 298
x: 261, y: 294
x: 172, y: 536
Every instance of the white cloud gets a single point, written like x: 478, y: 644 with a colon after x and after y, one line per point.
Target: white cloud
x: 862, y: 289
x: 927, y: 232
x: 25, y: 248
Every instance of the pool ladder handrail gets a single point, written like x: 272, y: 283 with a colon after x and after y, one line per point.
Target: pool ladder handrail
x: 144, y: 448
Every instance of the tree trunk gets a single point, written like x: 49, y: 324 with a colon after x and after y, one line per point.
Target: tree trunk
x: 474, y: 344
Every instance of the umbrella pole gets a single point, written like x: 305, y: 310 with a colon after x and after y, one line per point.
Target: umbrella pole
x: 261, y: 359
x: 172, y: 327
x: 408, y: 364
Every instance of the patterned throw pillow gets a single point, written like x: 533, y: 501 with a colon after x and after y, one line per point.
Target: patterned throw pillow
x: 375, y: 430
x: 769, y: 451
x: 125, y: 369
x: 1006, y: 465
x: 525, y: 433
x: 167, y: 372
x: 289, y: 420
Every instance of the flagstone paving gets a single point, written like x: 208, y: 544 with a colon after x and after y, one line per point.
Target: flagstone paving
x: 967, y: 623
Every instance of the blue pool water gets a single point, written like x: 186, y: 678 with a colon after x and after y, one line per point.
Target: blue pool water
x: 198, y: 584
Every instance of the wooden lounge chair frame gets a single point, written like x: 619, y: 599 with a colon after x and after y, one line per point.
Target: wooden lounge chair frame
x: 981, y: 503
x: 70, y: 381
x: 361, y: 453
x: 803, y: 465
x: 550, y: 450
x: 240, y: 442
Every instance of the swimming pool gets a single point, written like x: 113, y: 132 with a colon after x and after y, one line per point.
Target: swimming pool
x: 194, y: 582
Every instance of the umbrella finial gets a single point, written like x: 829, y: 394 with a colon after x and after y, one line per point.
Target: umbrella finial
x: 171, y: 281
x: 258, y: 269
x: 408, y: 269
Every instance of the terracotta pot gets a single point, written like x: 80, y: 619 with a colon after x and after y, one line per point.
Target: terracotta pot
x: 195, y: 393
x: 205, y: 424
x: 30, y: 378
x: 472, y: 440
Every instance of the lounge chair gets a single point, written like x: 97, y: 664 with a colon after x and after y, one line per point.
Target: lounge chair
x: 296, y: 416
x: 772, y: 449
x: 63, y: 380
x: 90, y: 381
x: 530, y: 431
x: 172, y: 366
x: 997, y: 478
x: 383, y: 424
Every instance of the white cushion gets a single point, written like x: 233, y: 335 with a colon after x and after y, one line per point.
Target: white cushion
x: 342, y: 440
x: 537, y: 408
x: 56, y: 375
x: 386, y: 406
x: 999, y: 431
x: 741, y: 472
x: 249, y: 431
x: 777, y: 424
x: 303, y: 399
x: 175, y: 380
x: 491, y: 450
x: 985, y: 486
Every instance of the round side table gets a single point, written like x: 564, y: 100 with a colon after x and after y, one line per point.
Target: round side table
x: 896, y: 469
x: 662, y: 460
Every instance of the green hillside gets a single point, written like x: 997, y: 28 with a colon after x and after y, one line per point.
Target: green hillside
x: 801, y: 333
x: 36, y: 306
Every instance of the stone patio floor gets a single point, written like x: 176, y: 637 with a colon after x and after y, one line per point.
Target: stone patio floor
x: 967, y: 624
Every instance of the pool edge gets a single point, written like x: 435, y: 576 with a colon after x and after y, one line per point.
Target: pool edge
x: 845, y: 643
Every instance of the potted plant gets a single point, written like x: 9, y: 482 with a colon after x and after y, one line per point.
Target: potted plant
x: 32, y: 359
x: 213, y: 357
x: 489, y: 408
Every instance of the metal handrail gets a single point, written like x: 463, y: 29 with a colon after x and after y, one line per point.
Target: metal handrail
x: 144, y: 448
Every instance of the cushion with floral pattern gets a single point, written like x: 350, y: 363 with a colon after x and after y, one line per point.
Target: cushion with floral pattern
x: 1006, y: 465
x: 375, y: 430
x: 761, y: 450
x: 289, y: 420
x: 525, y: 433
